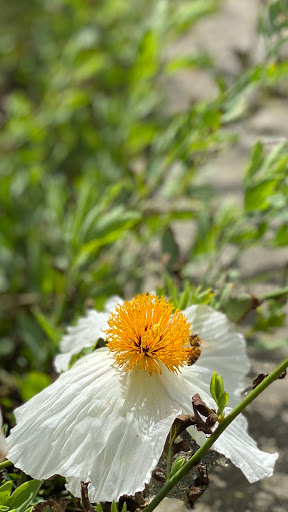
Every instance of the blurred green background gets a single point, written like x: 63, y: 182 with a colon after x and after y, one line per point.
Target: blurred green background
x: 99, y: 174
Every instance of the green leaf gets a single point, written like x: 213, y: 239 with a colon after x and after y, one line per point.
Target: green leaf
x: 32, y: 384
x: 281, y: 236
x: 5, y: 491
x: 24, y: 495
x: 257, y: 196
x: 217, y: 392
x: 99, y: 508
x: 184, y: 298
x: 223, y: 400
x: 171, y: 289
x: 170, y: 249
x: 256, y: 162
x: 47, y: 326
x: 114, y: 507
x: 216, y: 386
x: 124, y: 508
x: 111, y: 228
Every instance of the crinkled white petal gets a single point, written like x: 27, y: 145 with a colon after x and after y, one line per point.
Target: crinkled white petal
x: 85, y: 333
x: 3, y: 443
x: 242, y: 450
x: 234, y: 443
x: 95, y: 424
x: 223, y: 350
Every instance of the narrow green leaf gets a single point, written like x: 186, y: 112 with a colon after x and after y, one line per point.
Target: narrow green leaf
x: 170, y: 249
x: 257, y: 159
x: 257, y: 196
x: 184, y: 299
x: 113, y: 507
x: 171, y: 288
x: 213, y: 386
x: 218, y: 387
x: 24, y: 495
x: 222, y: 401
x: 47, y: 326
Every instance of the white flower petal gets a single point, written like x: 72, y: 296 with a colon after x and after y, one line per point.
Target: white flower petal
x: 181, y: 387
x: 3, y: 443
x: 242, y: 450
x: 84, y: 334
x: 223, y: 350
x: 112, y: 302
x: 95, y: 424
x: 234, y: 443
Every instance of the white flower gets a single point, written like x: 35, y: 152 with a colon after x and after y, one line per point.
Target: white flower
x: 3, y: 443
x: 105, y: 421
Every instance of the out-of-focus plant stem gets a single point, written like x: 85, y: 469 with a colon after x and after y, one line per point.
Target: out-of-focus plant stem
x: 281, y: 293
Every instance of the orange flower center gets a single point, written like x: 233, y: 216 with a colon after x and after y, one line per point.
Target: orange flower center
x: 145, y: 332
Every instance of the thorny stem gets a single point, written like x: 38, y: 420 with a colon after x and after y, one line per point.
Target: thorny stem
x: 211, y: 440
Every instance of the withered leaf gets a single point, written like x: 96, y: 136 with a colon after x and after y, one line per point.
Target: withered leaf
x: 52, y: 505
x: 181, y: 423
x: 199, y: 486
x: 259, y: 379
x: 200, y: 407
x: 263, y: 376
x: 87, y: 507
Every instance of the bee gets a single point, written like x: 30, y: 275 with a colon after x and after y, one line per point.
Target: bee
x: 195, y: 351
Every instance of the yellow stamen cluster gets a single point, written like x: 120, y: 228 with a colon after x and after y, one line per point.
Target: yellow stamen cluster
x: 145, y: 332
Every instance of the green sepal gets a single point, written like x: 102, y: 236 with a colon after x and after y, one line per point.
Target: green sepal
x: 177, y: 464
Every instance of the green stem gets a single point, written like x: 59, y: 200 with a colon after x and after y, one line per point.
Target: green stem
x: 281, y: 293
x: 221, y: 427
x: 5, y: 464
x: 169, y: 454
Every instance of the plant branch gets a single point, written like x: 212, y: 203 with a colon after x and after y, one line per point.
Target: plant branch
x: 221, y: 427
x: 5, y: 464
x: 169, y: 454
x: 281, y: 293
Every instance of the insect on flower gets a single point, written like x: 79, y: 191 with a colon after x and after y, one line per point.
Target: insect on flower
x: 194, y: 352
